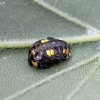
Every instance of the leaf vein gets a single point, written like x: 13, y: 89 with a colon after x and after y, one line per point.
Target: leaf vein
x: 69, y: 40
x: 65, y: 15
x: 90, y: 73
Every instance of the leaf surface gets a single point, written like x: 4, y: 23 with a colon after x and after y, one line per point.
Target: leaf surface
x: 25, y: 19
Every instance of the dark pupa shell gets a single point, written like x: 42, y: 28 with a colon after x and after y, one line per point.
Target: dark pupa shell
x: 47, y: 51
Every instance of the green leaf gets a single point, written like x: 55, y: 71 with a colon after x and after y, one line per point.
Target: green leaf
x: 74, y: 79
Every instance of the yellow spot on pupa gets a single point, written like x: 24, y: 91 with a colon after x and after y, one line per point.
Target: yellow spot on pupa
x: 50, y: 52
x: 44, y: 40
x: 64, y: 50
x: 35, y: 63
x: 67, y: 51
x: 33, y: 52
